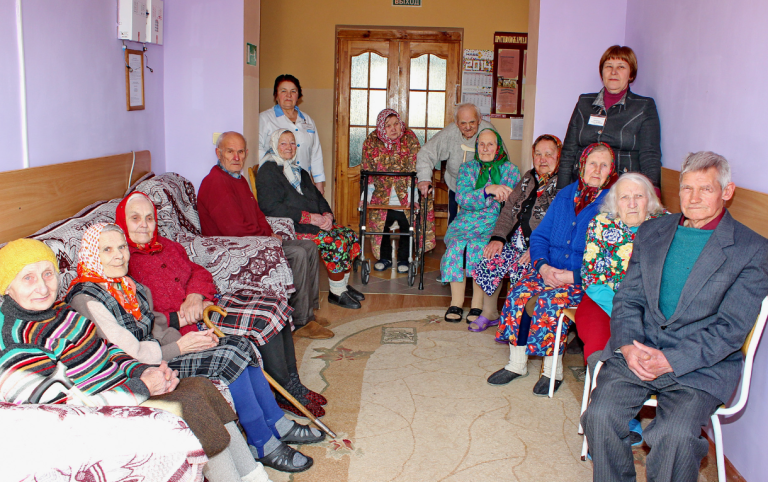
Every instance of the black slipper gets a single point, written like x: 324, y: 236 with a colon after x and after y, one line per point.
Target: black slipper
x: 476, y: 312
x: 454, y: 310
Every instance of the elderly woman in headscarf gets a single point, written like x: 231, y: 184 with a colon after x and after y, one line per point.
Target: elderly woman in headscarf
x: 484, y: 184
x: 507, y: 253
x: 557, y: 249
x: 123, y: 312
x: 286, y: 190
x: 392, y: 147
x: 39, y: 333
x: 181, y: 290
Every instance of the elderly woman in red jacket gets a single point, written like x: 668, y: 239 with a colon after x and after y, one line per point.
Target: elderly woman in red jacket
x: 181, y: 290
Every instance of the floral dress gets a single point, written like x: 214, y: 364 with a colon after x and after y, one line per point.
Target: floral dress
x: 338, y: 247
x: 472, y: 228
x: 376, y: 157
x: 609, y: 247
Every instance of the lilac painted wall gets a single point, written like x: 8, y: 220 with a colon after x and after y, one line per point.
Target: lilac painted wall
x: 571, y: 41
x: 704, y: 61
x: 203, y: 81
x: 10, y: 120
x: 76, y: 86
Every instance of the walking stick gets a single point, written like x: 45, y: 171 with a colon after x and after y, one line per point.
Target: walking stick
x: 282, y: 391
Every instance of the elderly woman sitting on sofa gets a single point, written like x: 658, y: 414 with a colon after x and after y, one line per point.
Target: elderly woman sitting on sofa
x: 181, y: 290
x: 123, y: 312
x: 39, y: 335
x: 287, y: 191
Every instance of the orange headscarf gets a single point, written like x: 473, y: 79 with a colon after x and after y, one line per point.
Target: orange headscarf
x: 89, y: 268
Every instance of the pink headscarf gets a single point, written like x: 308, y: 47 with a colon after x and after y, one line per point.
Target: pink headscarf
x: 390, y: 144
x: 89, y: 268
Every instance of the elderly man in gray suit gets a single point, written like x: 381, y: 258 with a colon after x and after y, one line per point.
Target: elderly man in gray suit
x: 691, y: 295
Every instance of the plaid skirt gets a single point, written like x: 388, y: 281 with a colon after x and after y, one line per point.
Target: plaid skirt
x: 225, y: 362
x: 254, y: 316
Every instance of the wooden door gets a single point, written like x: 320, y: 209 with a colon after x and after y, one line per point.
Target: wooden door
x: 415, y: 72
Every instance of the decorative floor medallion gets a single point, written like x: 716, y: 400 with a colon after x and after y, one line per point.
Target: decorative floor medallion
x: 398, y: 336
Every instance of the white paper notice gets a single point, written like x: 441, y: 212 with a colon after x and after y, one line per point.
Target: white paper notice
x: 517, y: 129
x: 135, y: 80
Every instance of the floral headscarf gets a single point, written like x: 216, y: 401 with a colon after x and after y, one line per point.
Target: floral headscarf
x: 381, y: 133
x: 291, y: 167
x: 546, y: 177
x: 89, y: 268
x: 490, y: 168
x: 586, y: 194
x: 153, y: 246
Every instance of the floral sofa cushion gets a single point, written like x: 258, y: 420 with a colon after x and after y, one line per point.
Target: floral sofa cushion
x: 254, y: 264
x: 53, y: 443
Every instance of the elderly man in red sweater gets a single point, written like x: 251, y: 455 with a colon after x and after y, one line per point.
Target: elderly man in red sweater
x: 227, y: 208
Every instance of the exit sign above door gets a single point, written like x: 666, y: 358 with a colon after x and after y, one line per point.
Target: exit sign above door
x: 406, y: 3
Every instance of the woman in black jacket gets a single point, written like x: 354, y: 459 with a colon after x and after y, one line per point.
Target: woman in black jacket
x: 286, y: 190
x: 627, y: 122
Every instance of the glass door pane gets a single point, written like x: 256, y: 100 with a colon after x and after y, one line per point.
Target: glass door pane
x: 426, y: 97
x: 367, y: 97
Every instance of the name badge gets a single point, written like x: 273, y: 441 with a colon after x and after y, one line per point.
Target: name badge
x: 597, y: 120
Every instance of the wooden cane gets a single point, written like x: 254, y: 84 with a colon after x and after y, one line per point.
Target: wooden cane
x: 282, y: 391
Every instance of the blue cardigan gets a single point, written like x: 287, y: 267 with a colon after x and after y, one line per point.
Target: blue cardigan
x: 561, y: 237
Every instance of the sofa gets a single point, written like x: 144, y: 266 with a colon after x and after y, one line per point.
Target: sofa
x: 58, y: 442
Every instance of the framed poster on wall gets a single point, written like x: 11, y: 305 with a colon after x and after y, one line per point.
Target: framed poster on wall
x: 134, y: 79
x: 509, y: 56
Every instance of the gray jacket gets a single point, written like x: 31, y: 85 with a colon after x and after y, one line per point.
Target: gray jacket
x: 446, y: 145
x: 631, y: 129
x: 718, y: 305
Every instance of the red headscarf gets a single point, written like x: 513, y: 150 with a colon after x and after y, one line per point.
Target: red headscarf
x: 381, y: 133
x: 120, y: 219
x: 587, y: 194
x: 89, y: 268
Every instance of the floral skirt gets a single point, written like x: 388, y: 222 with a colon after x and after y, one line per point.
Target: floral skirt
x: 338, y: 248
x: 548, y: 308
x: 489, y: 273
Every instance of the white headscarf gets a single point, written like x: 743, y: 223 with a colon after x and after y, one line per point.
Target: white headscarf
x: 291, y: 167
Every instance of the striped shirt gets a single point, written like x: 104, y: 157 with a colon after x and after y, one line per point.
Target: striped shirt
x: 32, y: 343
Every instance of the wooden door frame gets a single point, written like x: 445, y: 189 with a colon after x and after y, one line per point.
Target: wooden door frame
x: 346, y: 33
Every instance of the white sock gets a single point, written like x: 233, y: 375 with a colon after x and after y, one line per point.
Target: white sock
x: 221, y: 468
x: 548, y: 367
x: 346, y: 279
x: 238, y: 449
x: 337, y: 287
x: 518, y: 360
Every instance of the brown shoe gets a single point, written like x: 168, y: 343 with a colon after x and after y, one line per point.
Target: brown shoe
x: 322, y: 321
x: 314, y: 331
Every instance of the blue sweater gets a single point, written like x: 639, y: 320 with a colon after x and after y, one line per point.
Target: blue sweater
x: 561, y: 237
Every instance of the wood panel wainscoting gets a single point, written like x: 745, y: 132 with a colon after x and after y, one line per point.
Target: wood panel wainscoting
x: 35, y: 197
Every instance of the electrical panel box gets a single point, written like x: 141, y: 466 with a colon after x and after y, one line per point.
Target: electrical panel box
x: 132, y: 20
x: 155, y: 22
